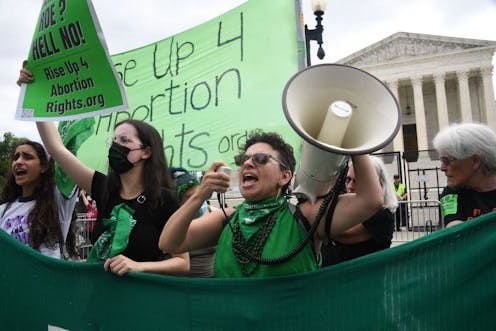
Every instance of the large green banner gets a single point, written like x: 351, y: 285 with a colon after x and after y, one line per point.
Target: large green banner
x: 442, y: 281
x: 206, y: 88
x: 74, y: 76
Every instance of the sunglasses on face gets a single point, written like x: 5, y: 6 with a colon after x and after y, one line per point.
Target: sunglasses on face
x: 258, y: 158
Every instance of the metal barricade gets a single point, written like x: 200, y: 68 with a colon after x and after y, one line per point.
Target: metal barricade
x: 416, y: 218
x: 84, y: 228
x: 413, y: 218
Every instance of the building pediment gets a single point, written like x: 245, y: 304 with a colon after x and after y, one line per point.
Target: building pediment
x: 404, y: 45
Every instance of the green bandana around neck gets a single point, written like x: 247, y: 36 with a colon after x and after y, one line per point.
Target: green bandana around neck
x: 252, y: 215
x: 115, y: 239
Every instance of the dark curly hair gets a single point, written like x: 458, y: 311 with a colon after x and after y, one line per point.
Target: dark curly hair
x: 43, y: 219
x: 285, y: 150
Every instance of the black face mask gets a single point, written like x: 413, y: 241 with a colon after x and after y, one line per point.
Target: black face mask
x: 117, y: 157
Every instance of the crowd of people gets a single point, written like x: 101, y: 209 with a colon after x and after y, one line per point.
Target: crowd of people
x: 154, y: 218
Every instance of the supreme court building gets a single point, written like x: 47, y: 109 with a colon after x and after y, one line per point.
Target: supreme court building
x: 437, y: 80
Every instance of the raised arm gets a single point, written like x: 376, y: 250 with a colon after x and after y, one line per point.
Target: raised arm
x: 181, y: 233
x: 352, y: 208
x: 355, y: 208
x: 75, y: 169
x: 82, y: 193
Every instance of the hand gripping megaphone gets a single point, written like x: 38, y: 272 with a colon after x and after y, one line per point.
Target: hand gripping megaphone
x: 338, y: 111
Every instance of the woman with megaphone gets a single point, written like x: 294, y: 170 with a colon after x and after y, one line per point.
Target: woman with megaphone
x: 266, y: 235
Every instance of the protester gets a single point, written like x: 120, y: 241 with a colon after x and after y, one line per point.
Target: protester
x: 468, y: 158
x: 374, y: 234
x: 91, y: 211
x: 32, y: 209
x: 201, y: 260
x: 259, y: 237
x: 134, y: 200
x: 90, y: 204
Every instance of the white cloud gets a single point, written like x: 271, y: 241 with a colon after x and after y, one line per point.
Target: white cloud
x: 349, y: 26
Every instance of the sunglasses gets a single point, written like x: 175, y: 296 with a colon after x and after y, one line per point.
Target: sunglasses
x: 258, y: 158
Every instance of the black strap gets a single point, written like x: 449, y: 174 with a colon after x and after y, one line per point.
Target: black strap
x: 329, y: 215
x: 302, y: 220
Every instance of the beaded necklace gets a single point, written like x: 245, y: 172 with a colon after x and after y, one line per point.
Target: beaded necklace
x: 254, y: 245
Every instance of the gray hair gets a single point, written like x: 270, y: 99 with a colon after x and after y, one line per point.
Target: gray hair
x: 467, y: 139
x: 389, y: 195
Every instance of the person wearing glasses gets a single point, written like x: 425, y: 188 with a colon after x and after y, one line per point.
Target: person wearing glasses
x: 265, y: 235
x: 468, y: 159
x: 134, y: 200
x: 373, y: 235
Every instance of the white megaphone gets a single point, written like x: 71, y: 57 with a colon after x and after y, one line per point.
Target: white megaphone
x: 339, y: 111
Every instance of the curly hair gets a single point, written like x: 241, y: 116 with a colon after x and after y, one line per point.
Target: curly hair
x: 43, y: 219
x: 286, y: 153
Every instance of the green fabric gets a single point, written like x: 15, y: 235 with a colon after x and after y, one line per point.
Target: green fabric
x: 184, y: 187
x: 285, y: 236
x: 191, y: 85
x: 69, y: 59
x: 73, y: 134
x: 252, y: 215
x: 115, y: 239
x: 442, y: 281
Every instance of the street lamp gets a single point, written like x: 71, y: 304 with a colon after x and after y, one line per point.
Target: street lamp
x: 318, y: 8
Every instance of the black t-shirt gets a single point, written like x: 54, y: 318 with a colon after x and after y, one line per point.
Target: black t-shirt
x: 464, y: 204
x: 380, y: 226
x: 143, y: 240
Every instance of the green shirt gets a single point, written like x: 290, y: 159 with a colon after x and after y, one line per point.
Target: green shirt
x: 284, y: 237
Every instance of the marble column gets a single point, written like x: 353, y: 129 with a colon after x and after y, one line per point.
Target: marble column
x: 464, y: 94
x: 489, y: 109
x: 418, y: 99
x: 398, y: 144
x: 441, y: 101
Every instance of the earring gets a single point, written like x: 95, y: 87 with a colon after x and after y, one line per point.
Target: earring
x: 278, y: 192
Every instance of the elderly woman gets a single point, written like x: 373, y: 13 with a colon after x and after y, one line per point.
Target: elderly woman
x: 265, y: 235
x: 468, y: 158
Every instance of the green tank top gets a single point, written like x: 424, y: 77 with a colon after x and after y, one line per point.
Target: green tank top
x: 286, y: 234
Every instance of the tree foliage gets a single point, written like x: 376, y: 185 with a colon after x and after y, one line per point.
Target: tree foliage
x: 7, y: 147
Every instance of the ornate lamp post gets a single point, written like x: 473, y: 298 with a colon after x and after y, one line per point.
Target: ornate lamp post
x: 318, y: 8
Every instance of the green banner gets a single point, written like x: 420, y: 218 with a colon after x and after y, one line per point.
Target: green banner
x: 74, y: 76
x: 442, y: 281
x: 206, y: 88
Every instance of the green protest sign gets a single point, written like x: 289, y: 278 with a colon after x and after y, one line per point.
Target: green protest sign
x: 74, y: 76
x: 206, y: 88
